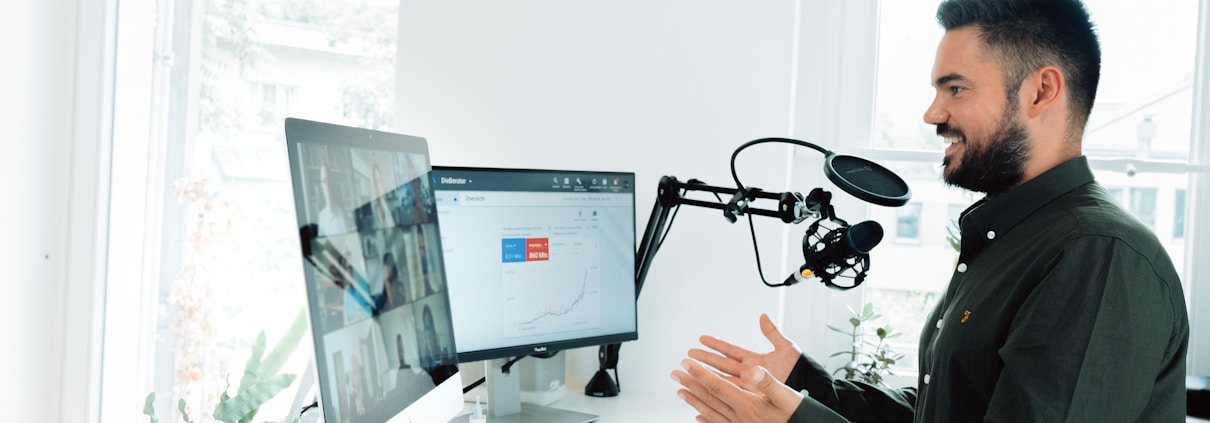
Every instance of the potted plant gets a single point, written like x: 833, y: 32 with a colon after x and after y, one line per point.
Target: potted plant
x: 868, y: 361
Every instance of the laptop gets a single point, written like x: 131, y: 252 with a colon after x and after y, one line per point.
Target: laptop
x: 374, y: 273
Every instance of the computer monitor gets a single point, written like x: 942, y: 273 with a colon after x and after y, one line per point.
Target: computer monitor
x: 537, y: 261
x: 377, y: 296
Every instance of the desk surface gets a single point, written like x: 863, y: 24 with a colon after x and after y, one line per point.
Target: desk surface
x: 631, y: 405
x: 638, y: 406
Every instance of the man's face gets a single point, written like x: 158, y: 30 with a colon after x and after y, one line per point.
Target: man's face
x: 988, y: 143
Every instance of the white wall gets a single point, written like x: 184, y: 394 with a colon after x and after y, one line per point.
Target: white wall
x: 658, y: 88
x: 37, y: 106
x: 52, y: 108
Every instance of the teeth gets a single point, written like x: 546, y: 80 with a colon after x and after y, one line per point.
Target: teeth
x: 953, y: 140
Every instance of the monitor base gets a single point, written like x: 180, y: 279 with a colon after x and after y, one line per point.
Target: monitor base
x: 537, y: 414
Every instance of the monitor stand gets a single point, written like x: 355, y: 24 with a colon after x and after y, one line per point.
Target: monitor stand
x: 305, y: 391
x: 504, y: 401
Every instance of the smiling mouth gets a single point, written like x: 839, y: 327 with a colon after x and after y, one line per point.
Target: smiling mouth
x: 952, y: 142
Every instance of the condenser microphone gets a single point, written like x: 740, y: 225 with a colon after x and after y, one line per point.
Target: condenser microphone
x: 840, y: 252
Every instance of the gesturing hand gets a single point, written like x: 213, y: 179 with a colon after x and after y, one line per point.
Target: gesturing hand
x: 732, y: 359
x: 754, y: 396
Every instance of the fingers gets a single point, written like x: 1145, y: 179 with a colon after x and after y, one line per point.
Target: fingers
x: 701, y: 387
x: 705, y: 413
x: 780, y: 396
x: 772, y: 333
x: 726, y: 348
x: 758, y: 396
x: 723, y: 364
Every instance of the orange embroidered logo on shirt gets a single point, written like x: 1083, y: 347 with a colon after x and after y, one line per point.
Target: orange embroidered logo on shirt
x: 966, y: 315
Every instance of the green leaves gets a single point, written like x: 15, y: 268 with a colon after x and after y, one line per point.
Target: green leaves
x: 149, y: 407
x: 953, y: 234
x: 243, y: 406
x: 863, y: 365
x: 180, y: 406
x: 260, y: 381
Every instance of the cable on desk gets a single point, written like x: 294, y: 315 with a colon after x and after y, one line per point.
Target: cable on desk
x: 308, y: 407
x: 505, y: 368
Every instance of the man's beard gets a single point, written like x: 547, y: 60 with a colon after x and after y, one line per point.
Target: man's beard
x: 991, y: 165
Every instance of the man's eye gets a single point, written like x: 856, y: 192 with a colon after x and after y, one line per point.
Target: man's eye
x: 956, y: 90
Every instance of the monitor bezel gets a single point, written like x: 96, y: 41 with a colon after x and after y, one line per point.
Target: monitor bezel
x: 546, y: 348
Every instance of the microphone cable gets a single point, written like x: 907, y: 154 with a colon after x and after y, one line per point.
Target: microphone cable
x: 751, y: 226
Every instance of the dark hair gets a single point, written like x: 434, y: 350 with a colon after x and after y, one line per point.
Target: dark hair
x: 1025, y: 35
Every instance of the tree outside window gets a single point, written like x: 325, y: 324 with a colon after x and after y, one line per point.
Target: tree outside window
x: 237, y: 266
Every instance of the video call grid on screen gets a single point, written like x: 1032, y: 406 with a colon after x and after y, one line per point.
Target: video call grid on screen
x: 377, y: 294
x: 537, y: 260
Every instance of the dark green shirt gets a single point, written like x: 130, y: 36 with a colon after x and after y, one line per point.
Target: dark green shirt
x: 1062, y: 307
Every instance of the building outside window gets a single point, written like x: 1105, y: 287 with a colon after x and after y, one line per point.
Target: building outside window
x: 1178, y: 220
x: 907, y: 225
x: 229, y: 260
x: 1142, y: 205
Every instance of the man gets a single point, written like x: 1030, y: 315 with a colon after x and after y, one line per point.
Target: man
x: 394, y: 292
x: 331, y: 217
x: 384, y: 215
x: 430, y: 274
x: 1062, y: 307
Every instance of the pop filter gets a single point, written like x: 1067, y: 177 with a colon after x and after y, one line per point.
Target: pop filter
x: 866, y: 180
x: 861, y: 178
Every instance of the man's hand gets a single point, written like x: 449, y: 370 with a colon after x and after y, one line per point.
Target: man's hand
x: 755, y: 396
x: 734, y: 359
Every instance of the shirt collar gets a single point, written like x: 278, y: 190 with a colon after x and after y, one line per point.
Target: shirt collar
x: 995, y: 216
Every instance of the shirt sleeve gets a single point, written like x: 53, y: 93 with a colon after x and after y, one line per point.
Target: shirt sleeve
x: 838, y: 400
x: 1102, y: 337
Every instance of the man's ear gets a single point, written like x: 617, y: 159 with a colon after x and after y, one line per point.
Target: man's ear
x: 1043, y: 89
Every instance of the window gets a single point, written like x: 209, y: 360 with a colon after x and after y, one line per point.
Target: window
x: 229, y: 254
x: 1142, y: 204
x: 907, y: 227
x: 1118, y: 194
x: 1178, y: 219
x: 1146, y: 124
x: 274, y: 101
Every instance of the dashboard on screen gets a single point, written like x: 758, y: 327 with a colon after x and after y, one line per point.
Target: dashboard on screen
x: 537, y: 261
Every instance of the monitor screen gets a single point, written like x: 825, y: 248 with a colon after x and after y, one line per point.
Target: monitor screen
x: 537, y: 260
x: 378, y: 301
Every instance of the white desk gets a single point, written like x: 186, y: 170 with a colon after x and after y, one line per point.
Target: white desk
x: 632, y: 405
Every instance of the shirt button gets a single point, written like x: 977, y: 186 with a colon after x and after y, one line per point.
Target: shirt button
x: 961, y: 267
x: 926, y: 379
x: 991, y: 234
x: 939, y: 323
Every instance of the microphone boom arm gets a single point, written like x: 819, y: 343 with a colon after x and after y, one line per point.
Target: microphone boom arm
x: 861, y: 178
x: 792, y: 208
